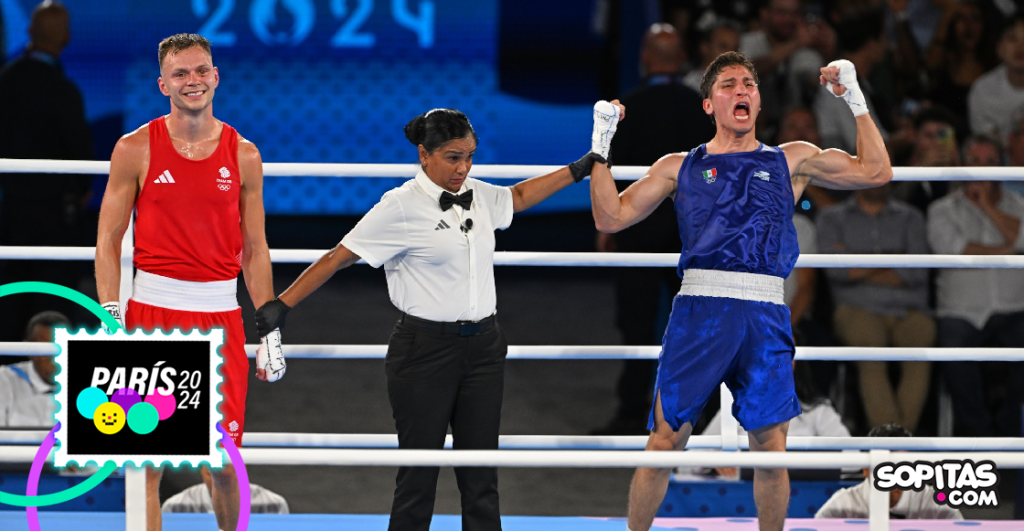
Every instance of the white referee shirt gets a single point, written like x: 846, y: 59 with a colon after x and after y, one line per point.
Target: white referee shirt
x: 26, y: 401
x: 435, y: 270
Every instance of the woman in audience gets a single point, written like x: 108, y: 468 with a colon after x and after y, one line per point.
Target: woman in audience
x: 961, y: 51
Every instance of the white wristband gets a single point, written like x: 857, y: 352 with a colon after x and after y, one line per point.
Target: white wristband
x: 854, y: 96
x: 114, y: 309
x: 606, y: 120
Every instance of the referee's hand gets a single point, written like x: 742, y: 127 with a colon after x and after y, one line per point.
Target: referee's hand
x: 271, y: 316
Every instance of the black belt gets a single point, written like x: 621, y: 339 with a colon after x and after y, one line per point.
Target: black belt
x: 459, y: 328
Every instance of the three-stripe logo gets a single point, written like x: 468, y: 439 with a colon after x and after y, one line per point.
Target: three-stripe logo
x: 165, y: 177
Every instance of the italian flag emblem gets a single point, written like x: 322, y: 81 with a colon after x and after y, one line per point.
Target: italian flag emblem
x: 709, y: 175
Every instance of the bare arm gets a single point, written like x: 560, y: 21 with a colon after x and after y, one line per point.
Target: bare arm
x: 128, y: 163
x: 614, y: 212
x: 315, y: 275
x: 530, y: 192
x: 256, y: 267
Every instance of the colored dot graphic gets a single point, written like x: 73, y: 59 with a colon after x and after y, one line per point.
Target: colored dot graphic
x: 125, y: 407
x: 164, y: 404
x: 126, y: 398
x: 940, y: 496
x: 142, y: 418
x: 88, y: 400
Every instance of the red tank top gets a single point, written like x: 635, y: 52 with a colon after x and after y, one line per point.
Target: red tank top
x: 187, y: 222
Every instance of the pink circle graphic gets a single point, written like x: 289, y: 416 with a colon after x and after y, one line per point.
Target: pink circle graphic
x: 940, y: 496
x: 164, y: 404
x: 126, y: 398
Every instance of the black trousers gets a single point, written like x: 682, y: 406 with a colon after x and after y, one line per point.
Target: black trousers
x: 436, y: 380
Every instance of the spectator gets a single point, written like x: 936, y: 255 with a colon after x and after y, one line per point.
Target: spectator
x: 26, y: 388
x: 962, y: 50
x: 41, y: 209
x: 881, y: 307
x: 852, y: 502
x: 665, y: 105
x: 788, y: 54
x: 722, y: 37
x: 996, y: 95
x: 862, y: 41
x: 934, y: 145
x: 197, y: 499
x: 1015, y: 148
x: 980, y: 306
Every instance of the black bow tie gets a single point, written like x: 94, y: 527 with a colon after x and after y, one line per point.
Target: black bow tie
x: 463, y: 200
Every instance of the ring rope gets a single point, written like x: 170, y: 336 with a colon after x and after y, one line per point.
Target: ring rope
x: 487, y: 171
x: 589, y: 442
x: 594, y: 259
x: 603, y: 352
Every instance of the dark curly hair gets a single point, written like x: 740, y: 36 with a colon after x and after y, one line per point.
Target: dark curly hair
x: 436, y: 128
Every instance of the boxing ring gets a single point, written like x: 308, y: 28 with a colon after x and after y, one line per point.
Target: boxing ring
x: 305, y: 449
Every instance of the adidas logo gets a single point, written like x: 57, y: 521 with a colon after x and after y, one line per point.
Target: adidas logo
x: 763, y: 175
x: 165, y: 177
x: 442, y: 225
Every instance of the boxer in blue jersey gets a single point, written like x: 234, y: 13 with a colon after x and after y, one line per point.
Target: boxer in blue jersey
x: 734, y: 201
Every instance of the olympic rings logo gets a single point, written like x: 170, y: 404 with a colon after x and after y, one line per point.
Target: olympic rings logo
x: 224, y: 187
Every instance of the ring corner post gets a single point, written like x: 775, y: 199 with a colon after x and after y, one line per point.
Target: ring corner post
x: 878, y: 500
x: 134, y: 498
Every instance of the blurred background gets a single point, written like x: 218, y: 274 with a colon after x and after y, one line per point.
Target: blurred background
x: 336, y: 81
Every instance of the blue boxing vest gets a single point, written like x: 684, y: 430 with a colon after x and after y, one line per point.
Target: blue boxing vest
x: 735, y: 212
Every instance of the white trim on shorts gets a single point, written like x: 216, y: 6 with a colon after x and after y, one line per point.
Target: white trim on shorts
x: 732, y: 285
x: 184, y: 295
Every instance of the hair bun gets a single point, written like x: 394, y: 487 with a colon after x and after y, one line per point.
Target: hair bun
x: 416, y: 130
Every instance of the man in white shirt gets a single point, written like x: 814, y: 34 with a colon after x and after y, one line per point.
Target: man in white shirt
x: 852, y: 502
x: 995, y: 95
x: 26, y: 388
x: 979, y: 306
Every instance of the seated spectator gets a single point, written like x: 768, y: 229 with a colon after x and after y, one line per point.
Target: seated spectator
x: 977, y: 307
x: 852, y: 502
x: 197, y: 499
x: 26, y: 388
x: 881, y: 307
x: 1015, y: 149
x: 862, y: 41
x: 723, y: 37
x: 800, y: 124
x: 962, y: 50
x: 788, y: 54
x: 934, y: 145
x: 996, y: 95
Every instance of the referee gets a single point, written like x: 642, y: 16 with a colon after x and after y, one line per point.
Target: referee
x: 445, y: 364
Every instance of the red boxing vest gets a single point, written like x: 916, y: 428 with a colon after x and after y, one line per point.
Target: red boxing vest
x: 187, y: 221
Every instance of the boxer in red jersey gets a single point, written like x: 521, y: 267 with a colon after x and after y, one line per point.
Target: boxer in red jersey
x: 197, y: 189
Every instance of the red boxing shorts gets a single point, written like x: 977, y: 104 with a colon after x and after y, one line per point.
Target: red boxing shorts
x: 235, y: 368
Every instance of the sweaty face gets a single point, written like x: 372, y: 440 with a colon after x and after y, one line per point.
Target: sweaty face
x: 734, y: 100
x: 189, y: 78
x: 448, y: 166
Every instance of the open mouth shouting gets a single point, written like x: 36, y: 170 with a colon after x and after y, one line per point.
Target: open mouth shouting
x: 741, y: 112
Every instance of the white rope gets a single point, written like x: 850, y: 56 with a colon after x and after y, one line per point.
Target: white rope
x: 603, y: 352
x: 516, y: 258
x: 587, y: 442
x: 489, y: 171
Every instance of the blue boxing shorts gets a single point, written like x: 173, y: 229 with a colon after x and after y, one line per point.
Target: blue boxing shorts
x: 734, y: 328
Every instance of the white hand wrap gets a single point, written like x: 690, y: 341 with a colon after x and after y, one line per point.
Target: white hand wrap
x: 114, y: 309
x: 853, y: 96
x: 606, y: 119
x: 270, y: 356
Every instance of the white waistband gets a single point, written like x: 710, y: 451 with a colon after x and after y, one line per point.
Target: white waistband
x: 732, y: 285
x: 184, y: 295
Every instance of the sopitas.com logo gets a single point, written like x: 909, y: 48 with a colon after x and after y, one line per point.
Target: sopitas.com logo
x: 957, y: 483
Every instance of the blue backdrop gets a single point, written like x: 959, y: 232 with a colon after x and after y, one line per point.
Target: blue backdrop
x: 321, y: 81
